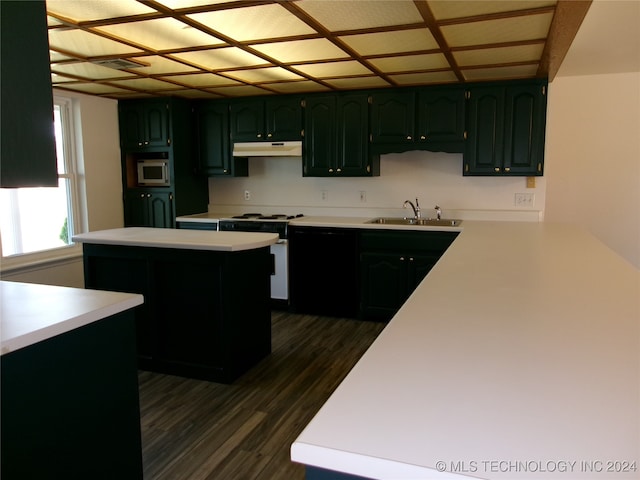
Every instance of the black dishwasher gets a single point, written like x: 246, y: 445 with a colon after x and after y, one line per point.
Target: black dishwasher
x: 324, y: 271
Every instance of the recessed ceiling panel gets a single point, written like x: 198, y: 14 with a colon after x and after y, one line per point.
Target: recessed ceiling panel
x: 334, y: 69
x: 176, y: 4
x: 504, y: 30
x: 296, y: 87
x: 95, y: 88
x: 57, y: 78
x: 242, y: 91
x: 160, y: 65
x: 302, y: 50
x: 414, y: 40
x: 261, y: 75
x: 201, y: 80
x: 161, y: 34
x: 253, y: 23
x: 488, y: 56
x: 359, y: 82
x: 524, y: 71
x: 424, y: 78
x: 338, y: 15
x: 84, y: 10
x: 144, y: 84
x: 87, y: 44
x: 408, y: 63
x: 457, y: 9
x: 90, y: 71
x: 221, y: 58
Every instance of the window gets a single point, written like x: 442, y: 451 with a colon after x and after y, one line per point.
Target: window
x: 41, y: 219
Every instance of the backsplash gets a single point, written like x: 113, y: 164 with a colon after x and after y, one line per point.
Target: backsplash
x: 277, y: 185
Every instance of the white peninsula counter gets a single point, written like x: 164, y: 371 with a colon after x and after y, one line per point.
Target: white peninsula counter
x: 207, y: 295
x: 69, y: 394
x: 517, y: 357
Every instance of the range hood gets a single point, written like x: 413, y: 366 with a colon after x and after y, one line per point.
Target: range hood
x: 267, y: 149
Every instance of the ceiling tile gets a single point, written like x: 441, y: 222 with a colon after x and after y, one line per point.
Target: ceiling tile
x: 359, y: 82
x: 300, y: 51
x: 424, y: 78
x: 144, y: 84
x: 253, y: 23
x: 242, y: 91
x: 95, y: 88
x: 338, y: 15
x: 160, y: 65
x: 530, y: 27
x: 175, y: 4
x: 456, y: 8
x: 391, y: 42
x: 161, y: 34
x: 90, y: 71
x: 87, y: 44
x: 221, y: 58
x: 408, y: 63
x: 334, y: 69
x: 192, y: 93
x: 522, y: 53
x: 261, y: 75
x: 201, y: 80
x: 523, y: 71
x: 84, y: 10
x: 57, y: 78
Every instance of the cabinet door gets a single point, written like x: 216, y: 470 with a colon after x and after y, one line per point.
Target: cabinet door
x: 284, y: 118
x: 135, y: 209
x: 144, y: 124
x: 441, y: 115
x: 247, y: 121
x: 161, y: 211
x: 485, y: 129
x: 418, y: 266
x: 352, y: 139
x: 214, y: 151
x: 319, y: 136
x: 524, y: 129
x: 384, y: 284
x: 156, y: 124
x: 28, y: 150
x: 393, y: 117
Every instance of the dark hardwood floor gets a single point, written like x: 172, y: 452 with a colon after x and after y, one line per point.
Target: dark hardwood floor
x: 195, y: 430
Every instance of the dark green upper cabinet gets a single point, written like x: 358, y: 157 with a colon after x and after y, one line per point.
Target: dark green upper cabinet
x: 257, y: 120
x: 144, y: 124
x: 393, y: 117
x: 336, y: 137
x: 28, y: 139
x: 421, y: 119
x: 213, y: 142
x: 506, y: 129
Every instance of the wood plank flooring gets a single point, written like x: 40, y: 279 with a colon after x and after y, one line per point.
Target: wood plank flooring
x: 200, y: 430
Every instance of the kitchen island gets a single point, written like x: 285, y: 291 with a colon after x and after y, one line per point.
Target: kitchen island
x: 517, y: 357
x: 69, y: 394
x: 206, y: 313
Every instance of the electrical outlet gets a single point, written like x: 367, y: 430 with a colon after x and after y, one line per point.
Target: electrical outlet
x: 363, y: 196
x: 524, y: 199
x: 325, y: 195
x: 247, y: 194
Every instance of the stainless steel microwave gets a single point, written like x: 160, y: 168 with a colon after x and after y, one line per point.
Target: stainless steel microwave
x: 153, y: 173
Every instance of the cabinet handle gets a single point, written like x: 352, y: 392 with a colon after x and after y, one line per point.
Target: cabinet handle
x: 142, y: 195
x: 225, y: 171
x: 269, y: 135
x: 139, y: 144
x: 148, y: 195
x: 146, y: 143
x: 507, y: 169
x: 402, y: 259
x: 422, y: 137
x: 411, y: 259
x: 331, y: 170
x: 338, y: 170
x: 497, y: 169
x: 259, y: 135
x: 409, y: 137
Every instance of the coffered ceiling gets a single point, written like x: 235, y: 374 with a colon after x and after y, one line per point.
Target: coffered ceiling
x: 231, y: 48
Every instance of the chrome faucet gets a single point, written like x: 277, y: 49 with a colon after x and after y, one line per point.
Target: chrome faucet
x: 416, y: 208
x: 438, y: 212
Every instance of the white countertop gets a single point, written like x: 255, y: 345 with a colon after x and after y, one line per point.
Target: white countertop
x: 520, y: 350
x: 179, y: 238
x: 31, y: 313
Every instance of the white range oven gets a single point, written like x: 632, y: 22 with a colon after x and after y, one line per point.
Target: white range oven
x: 256, y: 222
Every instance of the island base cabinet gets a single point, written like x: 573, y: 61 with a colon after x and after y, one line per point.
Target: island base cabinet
x: 206, y: 313
x: 314, y: 473
x: 70, y: 405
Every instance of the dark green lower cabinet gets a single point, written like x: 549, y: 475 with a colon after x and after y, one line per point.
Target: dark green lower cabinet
x: 206, y: 313
x: 146, y: 208
x: 392, y: 264
x: 70, y: 405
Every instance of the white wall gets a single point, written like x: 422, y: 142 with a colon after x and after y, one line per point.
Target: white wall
x: 99, y: 154
x: 277, y: 184
x: 593, y: 157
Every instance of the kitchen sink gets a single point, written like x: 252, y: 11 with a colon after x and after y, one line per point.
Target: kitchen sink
x: 431, y: 222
